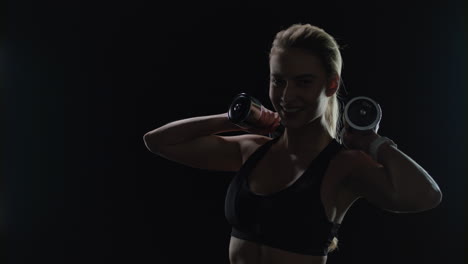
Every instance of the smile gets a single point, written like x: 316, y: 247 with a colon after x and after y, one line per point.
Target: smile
x: 291, y: 110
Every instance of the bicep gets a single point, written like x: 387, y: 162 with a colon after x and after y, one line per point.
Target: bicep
x: 213, y: 152
x: 371, y: 181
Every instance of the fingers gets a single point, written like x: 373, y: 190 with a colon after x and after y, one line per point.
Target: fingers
x: 268, y: 118
x: 277, y: 118
x: 274, y: 119
x: 267, y: 123
x: 271, y: 123
x: 275, y: 122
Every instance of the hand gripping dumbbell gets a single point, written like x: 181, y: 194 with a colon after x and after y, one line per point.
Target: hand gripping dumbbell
x: 246, y: 110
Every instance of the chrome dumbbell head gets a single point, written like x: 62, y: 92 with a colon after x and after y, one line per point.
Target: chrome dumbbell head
x: 244, y: 110
x: 362, y: 113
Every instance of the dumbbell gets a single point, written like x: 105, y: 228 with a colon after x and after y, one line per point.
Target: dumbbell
x: 245, y: 110
x: 363, y: 114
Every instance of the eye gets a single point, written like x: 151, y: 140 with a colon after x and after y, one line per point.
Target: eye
x: 277, y: 81
x: 305, y: 82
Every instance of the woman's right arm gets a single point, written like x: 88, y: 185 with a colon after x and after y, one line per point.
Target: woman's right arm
x: 193, y: 142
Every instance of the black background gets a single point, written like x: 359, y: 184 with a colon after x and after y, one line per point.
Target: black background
x: 85, y: 80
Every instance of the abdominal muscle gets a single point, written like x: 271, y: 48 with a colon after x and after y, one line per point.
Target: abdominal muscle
x: 247, y: 252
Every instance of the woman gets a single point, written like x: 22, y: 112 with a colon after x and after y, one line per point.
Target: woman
x: 291, y: 193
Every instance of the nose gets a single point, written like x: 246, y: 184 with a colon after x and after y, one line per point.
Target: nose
x: 289, y: 92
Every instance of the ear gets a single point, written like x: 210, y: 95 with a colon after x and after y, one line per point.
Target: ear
x: 333, y: 85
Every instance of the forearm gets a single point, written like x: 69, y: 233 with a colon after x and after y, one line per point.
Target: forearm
x: 190, y: 128
x: 412, y: 184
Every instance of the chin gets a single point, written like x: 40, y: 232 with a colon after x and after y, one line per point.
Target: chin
x: 293, y: 124
x: 299, y: 122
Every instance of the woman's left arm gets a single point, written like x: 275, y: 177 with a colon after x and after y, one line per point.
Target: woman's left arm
x: 393, y: 181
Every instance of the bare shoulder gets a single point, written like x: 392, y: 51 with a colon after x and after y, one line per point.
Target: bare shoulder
x: 370, y: 180
x: 353, y: 158
x: 348, y: 161
x: 344, y: 158
x: 248, y: 143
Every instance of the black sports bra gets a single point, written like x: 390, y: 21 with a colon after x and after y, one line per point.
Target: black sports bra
x: 292, y: 219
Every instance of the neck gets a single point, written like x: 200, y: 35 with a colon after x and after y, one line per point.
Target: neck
x: 311, y: 138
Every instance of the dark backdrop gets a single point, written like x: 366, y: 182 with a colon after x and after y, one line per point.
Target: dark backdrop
x: 85, y: 80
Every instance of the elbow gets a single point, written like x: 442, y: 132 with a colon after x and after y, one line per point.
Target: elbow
x: 146, y: 140
x: 421, y: 203
x: 149, y: 144
x: 431, y: 200
x: 435, y: 198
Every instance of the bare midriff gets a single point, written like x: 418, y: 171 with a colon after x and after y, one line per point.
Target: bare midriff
x: 247, y: 252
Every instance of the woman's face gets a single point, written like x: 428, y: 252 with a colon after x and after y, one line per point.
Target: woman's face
x: 297, y: 86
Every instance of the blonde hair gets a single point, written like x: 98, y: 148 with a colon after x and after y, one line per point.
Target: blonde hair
x: 323, y: 45
x: 333, y: 245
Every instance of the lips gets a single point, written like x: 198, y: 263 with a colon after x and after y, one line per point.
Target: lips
x: 291, y: 109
